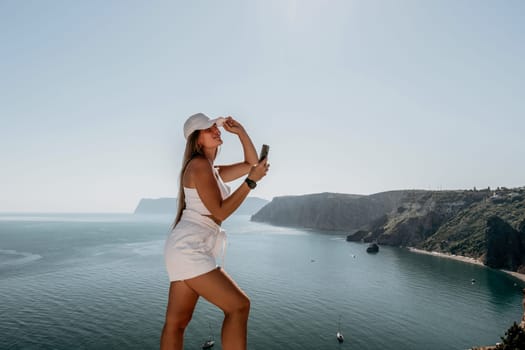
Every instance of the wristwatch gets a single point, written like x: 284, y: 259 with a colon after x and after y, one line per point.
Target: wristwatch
x: 251, y: 184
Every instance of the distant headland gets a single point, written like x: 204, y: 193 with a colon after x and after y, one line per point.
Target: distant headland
x: 167, y: 206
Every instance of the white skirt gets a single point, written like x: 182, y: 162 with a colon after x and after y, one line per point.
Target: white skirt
x: 193, y: 246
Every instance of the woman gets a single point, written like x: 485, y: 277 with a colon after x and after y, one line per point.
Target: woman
x: 197, y: 239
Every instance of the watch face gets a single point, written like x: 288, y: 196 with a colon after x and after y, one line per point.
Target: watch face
x: 251, y: 184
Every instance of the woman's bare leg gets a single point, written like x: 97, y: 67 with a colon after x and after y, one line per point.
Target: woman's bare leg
x: 219, y: 289
x: 181, y: 303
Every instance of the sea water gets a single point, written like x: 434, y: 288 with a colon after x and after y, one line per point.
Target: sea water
x: 98, y: 281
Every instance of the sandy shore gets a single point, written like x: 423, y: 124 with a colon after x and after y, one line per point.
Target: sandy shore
x: 466, y: 259
x: 518, y: 275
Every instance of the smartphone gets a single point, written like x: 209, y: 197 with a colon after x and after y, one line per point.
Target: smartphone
x: 264, y: 152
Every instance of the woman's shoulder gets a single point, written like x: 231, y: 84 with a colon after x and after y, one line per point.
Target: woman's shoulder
x: 199, y: 163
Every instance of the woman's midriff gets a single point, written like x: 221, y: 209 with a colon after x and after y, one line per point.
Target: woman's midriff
x: 217, y: 221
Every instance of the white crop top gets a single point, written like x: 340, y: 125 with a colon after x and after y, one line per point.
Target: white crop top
x: 194, y: 202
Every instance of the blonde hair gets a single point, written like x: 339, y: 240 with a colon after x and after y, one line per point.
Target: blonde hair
x: 192, y: 150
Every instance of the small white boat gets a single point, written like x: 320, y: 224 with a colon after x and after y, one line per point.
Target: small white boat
x: 340, y: 337
x: 208, y: 344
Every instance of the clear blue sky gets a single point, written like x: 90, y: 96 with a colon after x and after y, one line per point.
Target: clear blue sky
x: 352, y: 96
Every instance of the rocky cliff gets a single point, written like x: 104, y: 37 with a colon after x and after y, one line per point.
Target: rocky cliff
x: 505, y: 245
x: 486, y: 225
x: 329, y: 211
x: 466, y: 232
x: 420, y: 215
x: 482, y: 224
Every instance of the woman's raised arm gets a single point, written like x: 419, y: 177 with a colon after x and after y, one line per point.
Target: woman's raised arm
x: 234, y: 171
x: 209, y: 192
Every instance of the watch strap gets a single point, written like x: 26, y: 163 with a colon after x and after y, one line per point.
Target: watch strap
x: 251, y: 184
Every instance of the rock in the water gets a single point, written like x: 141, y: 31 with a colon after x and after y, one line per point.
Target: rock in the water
x: 372, y: 248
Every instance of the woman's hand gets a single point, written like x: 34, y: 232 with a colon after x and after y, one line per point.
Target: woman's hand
x: 259, y: 171
x: 233, y: 126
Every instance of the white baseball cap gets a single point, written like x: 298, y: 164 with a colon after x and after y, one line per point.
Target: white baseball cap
x: 200, y: 121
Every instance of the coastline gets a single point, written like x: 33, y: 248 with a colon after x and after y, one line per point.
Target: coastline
x: 465, y: 259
